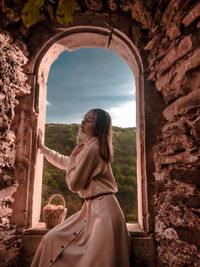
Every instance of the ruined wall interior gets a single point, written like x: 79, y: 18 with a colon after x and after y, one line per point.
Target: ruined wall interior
x: 13, y: 85
x: 167, y: 35
x: 174, y: 62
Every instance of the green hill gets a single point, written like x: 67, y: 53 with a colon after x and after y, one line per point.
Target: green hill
x: 62, y: 138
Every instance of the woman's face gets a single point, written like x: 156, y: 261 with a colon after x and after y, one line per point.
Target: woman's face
x: 88, y: 124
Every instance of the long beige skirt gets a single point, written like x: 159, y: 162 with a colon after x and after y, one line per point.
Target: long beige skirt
x: 96, y: 236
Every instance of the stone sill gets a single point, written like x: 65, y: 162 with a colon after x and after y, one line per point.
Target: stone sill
x: 134, y: 229
x: 38, y: 229
x: 142, y: 244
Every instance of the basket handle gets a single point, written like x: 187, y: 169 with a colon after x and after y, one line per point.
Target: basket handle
x: 57, y: 195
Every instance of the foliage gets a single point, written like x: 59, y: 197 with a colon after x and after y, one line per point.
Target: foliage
x: 62, y: 138
x: 124, y: 170
x: 65, y: 11
x: 32, y: 11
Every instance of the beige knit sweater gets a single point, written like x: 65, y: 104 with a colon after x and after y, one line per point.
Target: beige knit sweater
x: 87, y: 173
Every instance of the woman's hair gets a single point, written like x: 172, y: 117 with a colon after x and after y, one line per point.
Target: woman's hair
x: 103, y: 131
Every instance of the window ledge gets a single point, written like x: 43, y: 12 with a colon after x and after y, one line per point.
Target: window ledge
x: 38, y: 229
x: 136, y: 230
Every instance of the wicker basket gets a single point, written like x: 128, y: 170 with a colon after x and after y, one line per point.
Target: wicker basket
x: 54, y: 215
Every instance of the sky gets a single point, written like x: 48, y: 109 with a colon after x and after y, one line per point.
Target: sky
x: 90, y: 78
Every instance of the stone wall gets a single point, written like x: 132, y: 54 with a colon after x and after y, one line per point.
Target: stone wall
x: 12, y: 84
x: 174, y: 64
x: 166, y: 34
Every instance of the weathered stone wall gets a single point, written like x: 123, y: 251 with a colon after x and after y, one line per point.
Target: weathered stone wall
x: 22, y: 117
x: 166, y: 34
x: 174, y: 57
x: 12, y: 84
x: 177, y: 197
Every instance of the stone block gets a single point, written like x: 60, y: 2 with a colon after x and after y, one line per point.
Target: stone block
x: 141, y: 14
x: 160, y: 186
x: 30, y: 245
x: 196, y: 130
x: 171, y: 10
x: 193, y: 202
x: 170, y: 234
x: 182, y: 193
x: 182, y: 105
x: 190, y: 81
x: 15, y: 54
x: 126, y: 5
x: 192, y: 15
x: 189, y: 175
x: 152, y: 43
x: 5, y: 211
x: 94, y: 4
x: 173, y: 79
x: 9, y: 191
x: 113, y: 5
x: 159, y: 176
x: 159, y: 199
x: 173, y: 31
x: 142, y: 251
x: 174, y: 144
x: 176, y: 52
x: 190, y: 235
x: 182, y: 158
x: 174, y: 128
x: 177, y: 254
x: 181, y: 216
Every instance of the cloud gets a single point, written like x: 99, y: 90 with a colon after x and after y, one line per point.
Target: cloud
x: 124, y: 115
x: 89, y: 78
x: 48, y: 103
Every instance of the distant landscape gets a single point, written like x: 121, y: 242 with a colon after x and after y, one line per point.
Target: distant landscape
x: 62, y: 138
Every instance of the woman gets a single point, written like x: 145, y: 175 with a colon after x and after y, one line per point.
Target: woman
x: 96, y: 236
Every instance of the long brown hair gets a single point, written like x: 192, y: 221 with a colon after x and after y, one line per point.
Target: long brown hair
x: 103, y: 131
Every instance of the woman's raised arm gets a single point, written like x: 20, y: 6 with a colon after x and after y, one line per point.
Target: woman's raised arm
x: 52, y: 156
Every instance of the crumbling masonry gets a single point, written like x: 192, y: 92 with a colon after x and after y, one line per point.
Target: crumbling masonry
x: 166, y: 37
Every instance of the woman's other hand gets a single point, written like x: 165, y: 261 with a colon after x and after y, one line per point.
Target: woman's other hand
x: 77, y: 150
x: 40, y: 139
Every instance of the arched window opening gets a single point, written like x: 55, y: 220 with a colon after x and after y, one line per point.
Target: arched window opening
x: 78, y: 81
x: 73, y: 39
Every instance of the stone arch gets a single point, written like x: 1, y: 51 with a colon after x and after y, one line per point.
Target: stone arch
x: 72, y: 39
x: 166, y: 34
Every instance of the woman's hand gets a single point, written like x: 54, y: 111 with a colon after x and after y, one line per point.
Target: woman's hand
x: 77, y: 150
x: 40, y: 139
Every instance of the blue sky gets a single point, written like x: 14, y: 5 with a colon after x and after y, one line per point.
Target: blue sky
x: 90, y: 78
